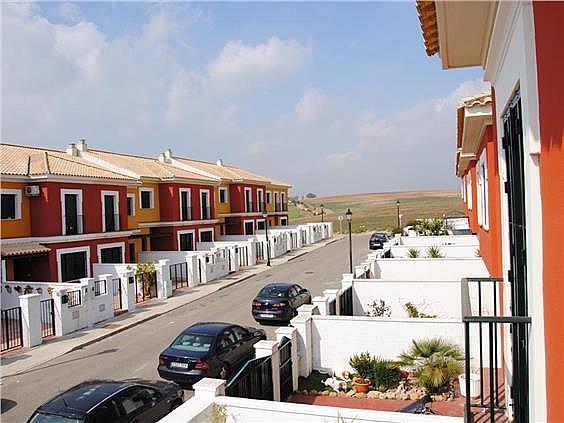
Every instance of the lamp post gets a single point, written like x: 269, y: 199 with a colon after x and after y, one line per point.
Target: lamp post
x: 265, y: 215
x: 349, y: 219
x: 400, y: 216
x: 397, y: 205
x: 321, y: 213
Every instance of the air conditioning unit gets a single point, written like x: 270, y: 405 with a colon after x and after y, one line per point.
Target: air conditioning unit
x: 32, y: 190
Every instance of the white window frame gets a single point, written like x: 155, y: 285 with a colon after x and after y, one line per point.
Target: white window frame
x: 223, y: 189
x: 463, y: 188
x: 245, y: 226
x: 132, y: 196
x: 182, y: 232
x: 482, y: 191
x: 62, y: 251
x: 261, y: 191
x: 285, y: 220
x: 152, y: 198
x: 282, y: 197
x: 114, y: 194
x: 78, y: 193
x: 101, y: 247
x: 18, y: 205
x: 200, y: 230
x: 469, y: 190
x: 257, y: 222
x: 180, y: 191
x: 276, y: 196
x: 250, y: 191
x: 268, y: 197
x: 208, y: 203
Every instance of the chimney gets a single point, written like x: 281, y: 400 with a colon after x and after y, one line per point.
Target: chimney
x: 82, y: 146
x: 219, y: 162
x: 72, y: 150
x: 168, y: 154
x: 162, y: 158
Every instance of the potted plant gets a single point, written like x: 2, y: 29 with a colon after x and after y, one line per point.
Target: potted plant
x: 362, y: 365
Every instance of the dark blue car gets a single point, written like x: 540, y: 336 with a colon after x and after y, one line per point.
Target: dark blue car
x: 208, y: 350
x: 279, y: 302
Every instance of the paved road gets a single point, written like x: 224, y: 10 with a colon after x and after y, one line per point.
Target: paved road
x: 133, y: 353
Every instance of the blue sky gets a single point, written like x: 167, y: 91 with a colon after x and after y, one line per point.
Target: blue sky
x: 332, y: 97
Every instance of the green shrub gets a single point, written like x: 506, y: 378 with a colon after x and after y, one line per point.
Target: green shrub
x: 434, y: 252
x: 413, y: 312
x: 435, y: 362
x: 385, y: 374
x: 379, y: 309
x: 397, y: 230
x: 413, y: 253
x: 361, y: 364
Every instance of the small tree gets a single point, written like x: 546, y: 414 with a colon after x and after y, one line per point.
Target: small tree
x: 146, y: 273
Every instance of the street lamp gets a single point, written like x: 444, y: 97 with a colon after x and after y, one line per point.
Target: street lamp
x: 400, y: 216
x: 397, y: 205
x: 349, y: 219
x: 265, y: 215
x: 321, y: 213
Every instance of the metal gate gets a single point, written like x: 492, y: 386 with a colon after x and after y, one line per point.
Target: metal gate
x: 116, y: 284
x: 179, y: 275
x: 242, y: 255
x: 47, y: 318
x: 286, y: 379
x: 254, y: 380
x: 345, y: 302
x: 12, y: 334
x: 260, y: 251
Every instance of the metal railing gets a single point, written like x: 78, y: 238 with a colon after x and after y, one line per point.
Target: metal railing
x: 111, y: 222
x: 185, y: 213
x: 205, y: 213
x: 286, y: 378
x: 345, y: 302
x: 116, y: 288
x: 47, y: 310
x: 12, y: 333
x: 74, y: 298
x: 73, y: 224
x: 100, y: 287
x: 179, y: 275
x: 254, y: 380
x: 249, y: 207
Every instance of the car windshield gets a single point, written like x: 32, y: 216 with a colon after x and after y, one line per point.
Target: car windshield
x: 52, y: 418
x: 194, y: 342
x: 379, y: 236
x: 274, y: 292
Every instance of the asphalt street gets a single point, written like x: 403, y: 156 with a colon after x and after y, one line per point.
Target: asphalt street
x: 134, y: 352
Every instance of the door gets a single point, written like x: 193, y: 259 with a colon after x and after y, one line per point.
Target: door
x: 108, y: 411
x: 249, y: 228
x: 111, y: 255
x: 132, y: 255
x: 71, y: 214
x: 227, y: 352
x: 246, y: 345
x: 109, y: 213
x: 187, y: 242
x: 205, y: 202
x: 515, y: 189
x: 73, y: 266
x: 142, y: 404
x: 184, y: 206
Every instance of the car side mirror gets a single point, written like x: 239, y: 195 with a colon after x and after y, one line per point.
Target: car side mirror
x: 303, y: 291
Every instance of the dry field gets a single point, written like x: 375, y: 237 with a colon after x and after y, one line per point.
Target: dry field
x: 377, y: 211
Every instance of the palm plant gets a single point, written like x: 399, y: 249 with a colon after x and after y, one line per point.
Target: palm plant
x: 413, y: 253
x: 434, y: 252
x: 435, y: 362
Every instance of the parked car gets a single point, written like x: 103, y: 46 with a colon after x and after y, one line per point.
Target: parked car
x: 107, y: 401
x: 208, y: 350
x: 279, y: 302
x: 377, y: 240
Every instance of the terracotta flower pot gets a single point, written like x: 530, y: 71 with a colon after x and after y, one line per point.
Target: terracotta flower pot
x: 361, y: 386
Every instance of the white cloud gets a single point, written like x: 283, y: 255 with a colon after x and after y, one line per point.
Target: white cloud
x: 313, y: 106
x: 341, y: 160
x: 70, y: 12
x: 240, y: 65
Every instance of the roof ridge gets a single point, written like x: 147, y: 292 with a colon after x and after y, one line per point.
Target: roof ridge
x: 86, y: 163
x: 31, y: 147
x: 46, y: 158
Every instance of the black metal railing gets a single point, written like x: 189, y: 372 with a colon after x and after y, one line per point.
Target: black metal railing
x: 111, y: 222
x: 260, y: 251
x: 185, y: 213
x: 249, y: 207
x: 12, y: 333
x: 73, y: 224
x: 345, y: 302
x: 74, y: 298
x: 260, y: 206
x: 179, y: 275
x: 116, y: 285
x: 47, y: 311
x: 205, y: 213
x: 286, y: 378
x: 254, y: 380
x: 100, y: 287
x: 491, y: 400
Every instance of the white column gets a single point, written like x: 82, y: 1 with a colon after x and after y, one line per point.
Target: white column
x: 164, y: 284
x: 60, y: 311
x: 320, y: 301
x: 127, y: 290
x: 88, y: 313
x: 292, y: 334
x: 270, y: 348
x: 303, y: 322
x: 192, y: 261
x: 31, y: 319
x: 208, y: 388
x: 332, y: 294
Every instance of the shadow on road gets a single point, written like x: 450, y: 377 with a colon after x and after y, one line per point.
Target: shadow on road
x: 7, y: 404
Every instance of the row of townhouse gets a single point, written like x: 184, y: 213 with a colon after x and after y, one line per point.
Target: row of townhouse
x: 510, y: 159
x: 63, y: 211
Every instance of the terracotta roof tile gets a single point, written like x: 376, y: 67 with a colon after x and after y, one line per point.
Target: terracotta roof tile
x: 23, y: 249
x: 428, y: 20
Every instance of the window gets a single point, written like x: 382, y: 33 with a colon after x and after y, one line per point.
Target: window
x: 205, y: 204
x: 73, y: 266
x: 131, y: 204
x: 185, y: 209
x: 469, y: 190
x: 260, y: 225
x: 147, y: 198
x: 223, y: 195
x: 193, y: 342
x: 71, y: 205
x: 283, y: 221
x: 260, y: 200
x: 132, y: 255
x: 8, y: 206
x: 186, y: 241
x: 107, y: 412
x: 111, y: 255
x: 268, y: 197
x: 249, y: 227
x: 133, y: 399
x: 240, y: 333
x: 110, y: 211
x: 206, y: 235
x: 248, y: 200
x: 482, y: 191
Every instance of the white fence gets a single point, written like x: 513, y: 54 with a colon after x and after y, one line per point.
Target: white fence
x: 447, y: 251
x: 440, y: 240
x: 424, y: 269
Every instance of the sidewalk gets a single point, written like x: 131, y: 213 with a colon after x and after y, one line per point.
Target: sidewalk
x: 26, y: 359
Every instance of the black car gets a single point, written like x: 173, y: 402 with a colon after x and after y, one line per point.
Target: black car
x: 107, y: 401
x: 377, y: 240
x: 208, y: 350
x: 279, y: 302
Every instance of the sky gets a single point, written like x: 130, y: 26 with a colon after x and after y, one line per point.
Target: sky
x: 333, y: 98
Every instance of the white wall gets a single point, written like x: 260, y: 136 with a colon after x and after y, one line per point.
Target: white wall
x: 447, y: 269
x: 449, y: 251
x: 440, y: 240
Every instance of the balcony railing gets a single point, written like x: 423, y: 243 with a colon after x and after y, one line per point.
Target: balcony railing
x: 260, y: 207
x: 186, y: 213
x: 111, y: 222
x: 206, y: 213
x: 73, y: 224
x: 249, y: 207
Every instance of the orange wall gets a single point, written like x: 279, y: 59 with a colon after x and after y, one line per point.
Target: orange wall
x: 16, y: 228
x: 549, y: 39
